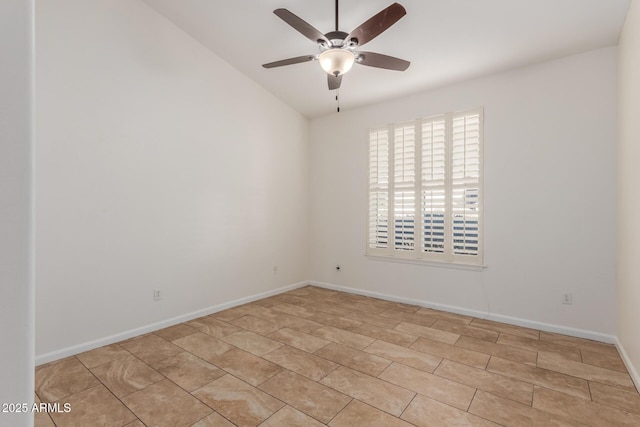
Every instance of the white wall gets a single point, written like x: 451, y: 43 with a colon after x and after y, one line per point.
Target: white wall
x: 16, y: 287
x: 157, y: 166
x: 160, y: 166
x: 628, y: 197
x: 550, y: 136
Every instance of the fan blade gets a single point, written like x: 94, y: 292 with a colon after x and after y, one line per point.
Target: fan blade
x: 290, y: 61
x: 379, y: 60
x: 375, y: 25
x: 301, y: 25
x: 334, y: 82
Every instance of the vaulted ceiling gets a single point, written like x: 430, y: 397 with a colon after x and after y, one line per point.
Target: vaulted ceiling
x: 446, y: 41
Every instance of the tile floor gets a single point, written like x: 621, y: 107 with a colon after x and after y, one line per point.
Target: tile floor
x: 313, y: 357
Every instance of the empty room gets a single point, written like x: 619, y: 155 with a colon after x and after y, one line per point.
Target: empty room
x: 342, y: 213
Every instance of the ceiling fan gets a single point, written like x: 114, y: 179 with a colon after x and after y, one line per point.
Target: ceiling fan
x: 338, y: 49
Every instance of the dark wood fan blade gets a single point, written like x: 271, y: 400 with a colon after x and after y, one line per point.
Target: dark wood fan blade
x: 379, y: 60
x: 334, y: 82
x: 375, y: 25
x: 301, y: 25
x: 290, y: 61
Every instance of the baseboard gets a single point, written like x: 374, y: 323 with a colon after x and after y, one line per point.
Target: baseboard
x: 80, y: 348
x: 581, y: 333
x: 627, y: 362
x: 547, y: 327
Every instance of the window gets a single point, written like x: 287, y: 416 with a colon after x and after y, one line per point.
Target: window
x: 425, y: 189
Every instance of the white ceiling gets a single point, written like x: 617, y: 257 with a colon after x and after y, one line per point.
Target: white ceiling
x: 445, y: 40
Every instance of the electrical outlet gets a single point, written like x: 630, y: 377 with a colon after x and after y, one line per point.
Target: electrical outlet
x: 157, y: 296
x: 567, y: 299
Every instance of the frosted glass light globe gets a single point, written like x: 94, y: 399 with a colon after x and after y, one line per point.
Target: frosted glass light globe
x: 336, y: 61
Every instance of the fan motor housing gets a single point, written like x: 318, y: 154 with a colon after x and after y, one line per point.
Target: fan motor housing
x: 337, y: 38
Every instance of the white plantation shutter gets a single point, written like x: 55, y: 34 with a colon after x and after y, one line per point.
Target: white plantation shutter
x: 425, y: 192
x: 433, y: 184
x: 378, y: 235
x: 404, y: 186
x: 465, y: 183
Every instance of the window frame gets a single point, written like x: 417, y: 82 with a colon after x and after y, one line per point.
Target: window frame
x: 418, y: 255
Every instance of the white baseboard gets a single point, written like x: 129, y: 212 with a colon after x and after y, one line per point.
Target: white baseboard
x: 80, y: 348
x: 581, y: 333
x: 627, y: 362
x: 547, y: 327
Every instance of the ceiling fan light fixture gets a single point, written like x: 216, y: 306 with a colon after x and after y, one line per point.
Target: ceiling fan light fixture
x: 338, y: 49
x: 336, y: 61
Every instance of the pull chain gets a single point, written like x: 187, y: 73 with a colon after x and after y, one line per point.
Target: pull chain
x: 338, y: 99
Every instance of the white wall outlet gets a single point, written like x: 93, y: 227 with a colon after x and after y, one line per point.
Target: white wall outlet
x: 567, y: 298
x: 157, y: 295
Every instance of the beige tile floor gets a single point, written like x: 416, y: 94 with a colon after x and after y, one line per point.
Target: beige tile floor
x: 314, y: 357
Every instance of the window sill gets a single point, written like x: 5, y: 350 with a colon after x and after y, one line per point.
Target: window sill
x: 428, y: 263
